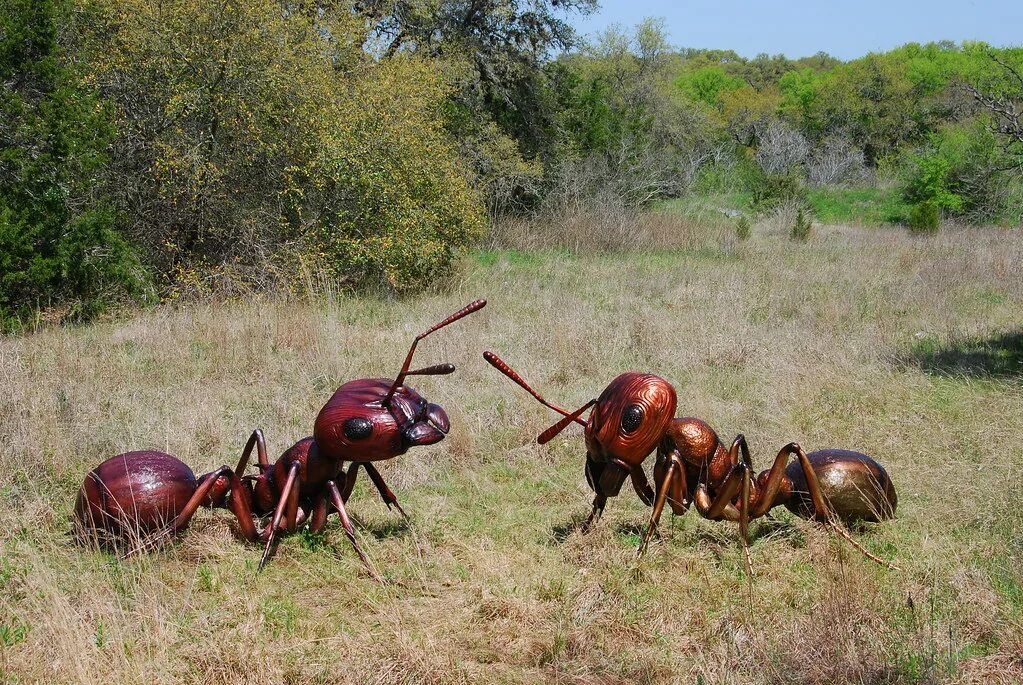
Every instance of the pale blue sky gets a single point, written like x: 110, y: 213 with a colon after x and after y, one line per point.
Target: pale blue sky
x: 799, y: 27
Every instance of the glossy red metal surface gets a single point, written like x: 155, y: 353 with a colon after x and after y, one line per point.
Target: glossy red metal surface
x: 134, y: 494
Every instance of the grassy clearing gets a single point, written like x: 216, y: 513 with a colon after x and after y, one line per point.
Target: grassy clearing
x: 871, y: 206
x: 860, y: 206
x: 904, y: 348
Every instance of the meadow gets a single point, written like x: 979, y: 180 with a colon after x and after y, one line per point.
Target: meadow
x: 907, y: 348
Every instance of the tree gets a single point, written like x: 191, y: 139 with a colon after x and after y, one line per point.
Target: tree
x: 59, y: 243
x: 254, y: 139
x: 1000, y: 92
x: 503, y: 44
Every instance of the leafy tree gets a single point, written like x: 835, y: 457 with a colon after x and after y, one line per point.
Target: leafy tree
x: 254, y: 139
x: 502, y: 44
x: 708, y: 85
x: 59, y: 243
x: 960, y: 173
x: 997, y: 86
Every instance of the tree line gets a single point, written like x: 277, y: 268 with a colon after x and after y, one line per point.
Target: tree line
x: 155, y: 149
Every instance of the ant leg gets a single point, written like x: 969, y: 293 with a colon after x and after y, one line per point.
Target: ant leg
x: 598, y: 508
x: 318, y: 518
x: 769, y: 482
x: 822, y: 509
x: 641, y: 485
x: 744, y: 502
x: 284, y: 501
x: 721, y: 505
x: 663, y: 485
x: 350, y: 476
x: 346, y: 523
x: 385, y: 492
x: 291, y: 510
x: 255, y: 440
x: 678, y: 491
x: 739, y: 445
x: 670, y: 478
x: 241, y: 507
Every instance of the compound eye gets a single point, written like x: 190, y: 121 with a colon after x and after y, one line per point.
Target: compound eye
x: 631, y: 418
x: 358, y: 428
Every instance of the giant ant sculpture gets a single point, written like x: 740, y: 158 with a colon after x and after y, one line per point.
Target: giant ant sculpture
x: 635, y: 415
x: 148, y: 496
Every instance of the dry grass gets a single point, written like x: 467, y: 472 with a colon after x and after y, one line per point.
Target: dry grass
x: 823, y: 342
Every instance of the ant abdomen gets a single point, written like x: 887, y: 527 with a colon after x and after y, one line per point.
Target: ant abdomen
x: 133, y: 494
x: 855, y: 486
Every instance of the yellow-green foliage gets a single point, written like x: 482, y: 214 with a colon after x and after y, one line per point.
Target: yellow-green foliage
x: 252, y: 138
x: 400, y: 203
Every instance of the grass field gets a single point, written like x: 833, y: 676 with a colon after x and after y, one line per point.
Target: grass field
x: 908, y: 349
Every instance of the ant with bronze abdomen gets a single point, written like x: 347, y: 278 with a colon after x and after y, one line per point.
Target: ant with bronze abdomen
x: 635, y: 415
x: 152, y: 495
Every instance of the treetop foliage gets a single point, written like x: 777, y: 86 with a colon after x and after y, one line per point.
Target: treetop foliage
x: 185, y: 147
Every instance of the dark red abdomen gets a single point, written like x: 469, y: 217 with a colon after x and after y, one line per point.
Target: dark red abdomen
x: 133, y: 494
x: 855, y: 486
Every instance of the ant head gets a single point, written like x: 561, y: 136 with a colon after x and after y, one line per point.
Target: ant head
x: 629, y: 418
x: 357, y: 425
x: 376, y: 419
x: 627, y: 422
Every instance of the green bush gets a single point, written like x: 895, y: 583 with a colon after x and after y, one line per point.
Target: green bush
x: 924, y: 217
x: 772, y: 190
x: 743, y: 228
x: 60, y: 247
x: 961, y: 172
x: 802, y: 228
x: 283, y: 146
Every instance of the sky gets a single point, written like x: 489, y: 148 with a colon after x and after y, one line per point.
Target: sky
x: 798, y: 28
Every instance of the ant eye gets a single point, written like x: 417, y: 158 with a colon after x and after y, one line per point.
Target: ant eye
x: 631, y: 418
x: 358, y: 429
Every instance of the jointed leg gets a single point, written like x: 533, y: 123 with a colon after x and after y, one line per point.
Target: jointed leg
x: 675, y: 470
x: 346, y: 523
x: 239, y: 505
x: 599, y: 502
x: 255, y: 440
x: 822, y: 509
x: 721, y: 505
x: 641, y: 485
x: 349, y: 485
x: 318, y: 517
x: 744, y: 502
x: 287, y: 500
x: 385, y: 492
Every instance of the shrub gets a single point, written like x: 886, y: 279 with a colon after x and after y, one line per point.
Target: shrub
x: 59, y: 242
x: 282, y: 142
x: 743, y: 228
x: 924, y: 217
x: 802, y: 227
x: 771, y: 191
x: 961, y: 172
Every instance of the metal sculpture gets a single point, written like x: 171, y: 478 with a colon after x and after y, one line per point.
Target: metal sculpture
x: 131, y: 496
x: 634, y: 416
x: 147, y: 496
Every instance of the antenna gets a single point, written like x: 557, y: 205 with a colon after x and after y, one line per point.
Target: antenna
x: 433, y: 370
x: 501, y: 366
x: 549, y: 434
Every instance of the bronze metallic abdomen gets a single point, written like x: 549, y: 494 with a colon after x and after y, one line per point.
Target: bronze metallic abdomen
x: 856, y: 487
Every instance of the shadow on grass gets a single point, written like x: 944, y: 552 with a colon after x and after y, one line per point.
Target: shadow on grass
x: 996, y: 356
x: 562, y: 531
x: 384, y: 530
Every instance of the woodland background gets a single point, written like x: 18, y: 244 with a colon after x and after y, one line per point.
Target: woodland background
x: 154, y: 150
